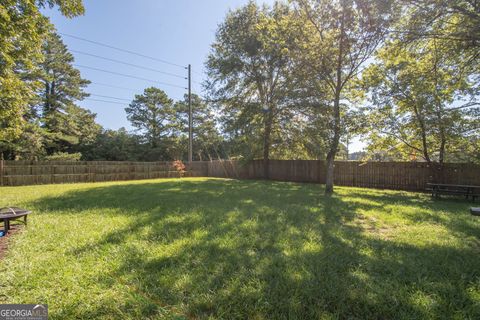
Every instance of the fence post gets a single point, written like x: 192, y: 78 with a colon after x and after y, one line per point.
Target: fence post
x: 94, y: 174
x: 89, y: 173
x: 1, y: 169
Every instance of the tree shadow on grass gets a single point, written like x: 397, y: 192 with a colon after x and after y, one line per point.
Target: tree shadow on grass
x: 269, y: 250
x: 453, y: 213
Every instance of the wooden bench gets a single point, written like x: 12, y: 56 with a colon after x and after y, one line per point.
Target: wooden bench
x: 13, y: 213
x: 468, y: 191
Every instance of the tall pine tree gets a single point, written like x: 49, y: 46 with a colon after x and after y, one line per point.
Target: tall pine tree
x: 205, y: 134
x: 65, y: 123
x: 23, y: 29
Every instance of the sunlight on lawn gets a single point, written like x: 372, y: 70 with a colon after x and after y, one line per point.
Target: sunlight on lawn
x: 218, y: 248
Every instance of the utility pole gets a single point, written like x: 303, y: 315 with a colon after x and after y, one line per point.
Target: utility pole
x: 190, y: 116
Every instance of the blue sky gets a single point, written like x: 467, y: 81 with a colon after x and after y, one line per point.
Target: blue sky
x: 178, y: 31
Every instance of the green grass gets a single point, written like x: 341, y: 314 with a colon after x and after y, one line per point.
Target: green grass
x: 213, y: 249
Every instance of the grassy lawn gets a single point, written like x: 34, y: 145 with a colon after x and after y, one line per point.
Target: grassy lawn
x: 214, y: 248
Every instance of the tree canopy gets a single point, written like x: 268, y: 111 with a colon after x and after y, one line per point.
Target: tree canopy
x: 23, y: 30
x: 294, y: 80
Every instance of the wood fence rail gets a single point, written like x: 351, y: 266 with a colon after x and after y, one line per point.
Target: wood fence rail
x: 412, y: 176
x: 385, y: 175
x: 16, y: 173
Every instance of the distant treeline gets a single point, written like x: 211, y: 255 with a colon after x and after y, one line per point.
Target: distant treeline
x: 296, y: 80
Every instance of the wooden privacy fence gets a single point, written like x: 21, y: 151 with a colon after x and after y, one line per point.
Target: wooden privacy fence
x: 383, y: 175
x: 16, y: 173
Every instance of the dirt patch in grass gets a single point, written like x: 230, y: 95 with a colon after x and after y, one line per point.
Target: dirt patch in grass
x: 370, y: 225
x: 14, y: 229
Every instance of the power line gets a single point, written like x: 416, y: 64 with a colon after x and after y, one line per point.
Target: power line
x: 112, y: 86
x: 129, y: 64
x: 130, y: 76
x: 116, y: 87
x: 99, y: 100
x: 123, y: 50
x: 110, y: 97
x: 200, y: 74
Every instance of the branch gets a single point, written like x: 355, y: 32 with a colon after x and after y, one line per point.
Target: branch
x: 402, y: 140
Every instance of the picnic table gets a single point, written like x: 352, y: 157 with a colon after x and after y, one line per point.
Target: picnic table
x: 13, y: 213
x: 469, y: 191
x: 475, y: 211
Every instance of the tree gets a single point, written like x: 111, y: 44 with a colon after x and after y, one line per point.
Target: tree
x: 457, y: 21
x: 79, y: 128
x: 62, y: 82
x: 23, y: 29
x: 425, y: 104
x: 28, y: 145
x: 66, y: 123
x: 337, y: 39
x: 151, y: 113
x: 52, y: 122
x: 205, y: 134
x: 113, y: 145
x: 249, y: 71
x: 68, y: 8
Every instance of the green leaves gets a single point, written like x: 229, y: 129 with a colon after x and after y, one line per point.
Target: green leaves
x: 250, y: 73
x: 163, y: 126
x: 66, y: 124
x: 151, y: 113
x: 69, y: 8
x: 22, y: 31
x: 417, y: 91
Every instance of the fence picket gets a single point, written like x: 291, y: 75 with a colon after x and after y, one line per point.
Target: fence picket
x: 388, y: 175
x: 410, y: 176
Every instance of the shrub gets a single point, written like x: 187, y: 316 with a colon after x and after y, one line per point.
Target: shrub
x: 180, y: 167
x: 64, y: 156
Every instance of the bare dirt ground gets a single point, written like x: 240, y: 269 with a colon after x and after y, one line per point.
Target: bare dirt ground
x: 14, y: 229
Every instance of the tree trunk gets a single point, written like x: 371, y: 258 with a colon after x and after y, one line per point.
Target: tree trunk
x: 423, y: 133
x: 347, y: 147
x: 329, y: 176
x: 336, y: 110
x: 46, y: 106
x: 443, y: 141
x: 439, y: 109
x: 266, y: 144
x: 50, y: 103
x: 333, y: 147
